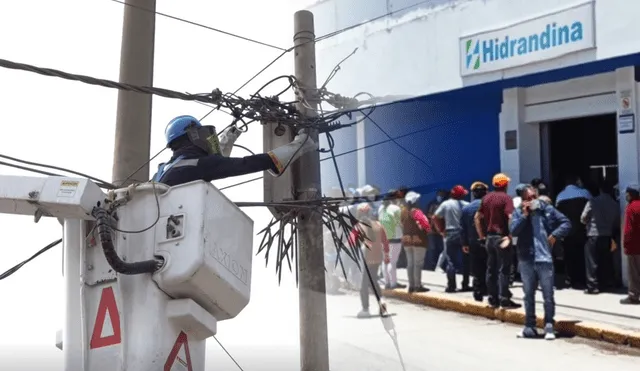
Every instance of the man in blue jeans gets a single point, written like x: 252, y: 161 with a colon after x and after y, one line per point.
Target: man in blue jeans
x: 538, y: 226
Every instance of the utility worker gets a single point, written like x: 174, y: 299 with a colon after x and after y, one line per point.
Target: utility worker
x: 199, y: 155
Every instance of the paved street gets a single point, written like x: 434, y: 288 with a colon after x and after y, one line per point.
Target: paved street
x: 429, y: 340
x: 265, y: 337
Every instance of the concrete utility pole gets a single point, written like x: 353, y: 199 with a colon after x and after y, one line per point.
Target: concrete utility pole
x: 314, y: 343
x: 133, y: 120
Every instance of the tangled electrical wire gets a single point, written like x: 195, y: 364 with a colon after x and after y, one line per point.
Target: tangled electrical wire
x: 264, y: 109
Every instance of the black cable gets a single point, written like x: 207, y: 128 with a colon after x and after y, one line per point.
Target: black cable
x: 42, y: 172
x: 15, y: 268
x: 103, y: 225
x: 229, y: 354
x: 198, y: 25
x: 344, y: 153
x: 207, y: 98
x: 252, y: 78
x: 245, y: 148
x: 396, y: 142
x: 338, y: 32
x: 143, y: 165
x: 155, y: 194
x: 97, y: 180
x: 241, y: 183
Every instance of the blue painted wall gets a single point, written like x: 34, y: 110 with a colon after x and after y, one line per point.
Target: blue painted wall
x: 443, y: 140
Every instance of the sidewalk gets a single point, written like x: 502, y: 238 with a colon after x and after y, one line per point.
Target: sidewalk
x: 598, y: 317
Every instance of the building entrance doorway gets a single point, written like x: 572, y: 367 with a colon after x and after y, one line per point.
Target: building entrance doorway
x: 586, y: 147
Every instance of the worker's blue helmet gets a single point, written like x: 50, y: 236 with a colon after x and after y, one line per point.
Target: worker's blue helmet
x: 178, y: 127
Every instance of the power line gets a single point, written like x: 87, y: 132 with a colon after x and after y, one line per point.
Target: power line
x: 338, y: 32
x: 348, y: 152
x: 252, y: 78
x: 206, y: 98
x: 198, y: 25
x: 229, y: 354
x: 38, y: 164
x: 16, y: 267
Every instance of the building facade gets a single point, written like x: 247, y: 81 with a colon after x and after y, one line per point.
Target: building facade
x: 530, y: 88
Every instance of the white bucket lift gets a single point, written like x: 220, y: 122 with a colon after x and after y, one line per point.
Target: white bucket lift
x: 201, y: 244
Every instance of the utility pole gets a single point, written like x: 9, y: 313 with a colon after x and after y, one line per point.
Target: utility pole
x: 133, y: 118
x: 314, y: 342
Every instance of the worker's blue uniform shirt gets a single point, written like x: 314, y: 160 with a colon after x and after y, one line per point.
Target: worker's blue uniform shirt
x: 468, y: 231
x: 533, y: 232
x: 192, y: 163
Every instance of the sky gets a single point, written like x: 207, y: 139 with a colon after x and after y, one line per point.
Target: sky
x: 71, y: 124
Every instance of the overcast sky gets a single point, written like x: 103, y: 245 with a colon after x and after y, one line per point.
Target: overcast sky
x: 70, y: 124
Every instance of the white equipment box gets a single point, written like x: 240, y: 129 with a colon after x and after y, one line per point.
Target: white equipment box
x: 59, y: 197
x: 207, y: 243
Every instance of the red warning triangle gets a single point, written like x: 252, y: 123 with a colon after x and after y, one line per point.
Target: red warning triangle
x: 183, y: 361
x: 107, y: 303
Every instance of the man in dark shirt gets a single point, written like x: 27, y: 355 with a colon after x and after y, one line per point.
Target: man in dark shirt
x: 495, y: 214
x: 571, y: 202
x: 470, y: 244
x: 435, y: 253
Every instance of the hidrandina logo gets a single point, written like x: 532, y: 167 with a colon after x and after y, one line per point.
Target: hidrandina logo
x: 481, y: 51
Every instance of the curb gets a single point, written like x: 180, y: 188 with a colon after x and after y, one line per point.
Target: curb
x: 564, y: 326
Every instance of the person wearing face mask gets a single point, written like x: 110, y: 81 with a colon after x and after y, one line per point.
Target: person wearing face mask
x: 538, y: 226
x: 571, y: 201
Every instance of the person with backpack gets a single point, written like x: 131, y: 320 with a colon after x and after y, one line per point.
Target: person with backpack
x: 538, y: 226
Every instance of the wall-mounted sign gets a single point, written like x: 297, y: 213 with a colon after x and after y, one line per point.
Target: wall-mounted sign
x: 534, y: 40
x: 626, y: 107
x: 626, y: 124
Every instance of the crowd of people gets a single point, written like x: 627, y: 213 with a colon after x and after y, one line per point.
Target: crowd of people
x: 494, y: 238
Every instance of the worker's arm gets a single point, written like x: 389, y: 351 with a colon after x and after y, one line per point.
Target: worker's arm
x: 215, y: 167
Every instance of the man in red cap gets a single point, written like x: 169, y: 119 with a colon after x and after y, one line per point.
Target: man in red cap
x: 492, y: 224
x: 448, y: 222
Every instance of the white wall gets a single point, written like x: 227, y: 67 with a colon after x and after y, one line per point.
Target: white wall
x: 418, y: 54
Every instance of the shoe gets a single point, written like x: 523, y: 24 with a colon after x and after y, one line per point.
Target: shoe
x: 493, y: 303
x: 364, y: 314
x: 630, y: 301
x: 450, y: 290
x: 509, y: 304
x: 549, y: 333
x: 466, y: 289
x: 477, y: 297
x: 422, y: 289
x: 591, y: 291
x: 528, y: 333
x: 399, y: 286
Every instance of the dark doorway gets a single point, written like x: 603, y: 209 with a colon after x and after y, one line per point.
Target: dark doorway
x: 587, y: 147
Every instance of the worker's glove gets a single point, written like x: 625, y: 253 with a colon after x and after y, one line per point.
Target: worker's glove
x: 284, y: 156
x: 227, y: 139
